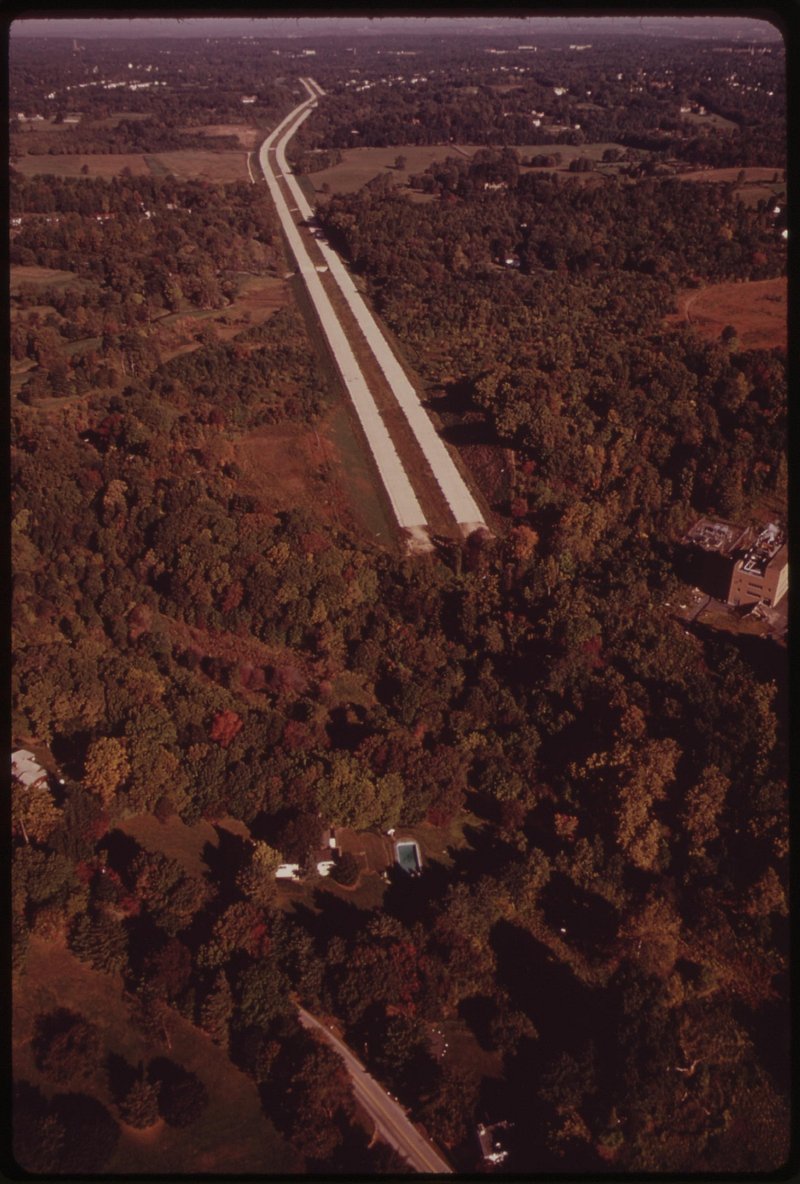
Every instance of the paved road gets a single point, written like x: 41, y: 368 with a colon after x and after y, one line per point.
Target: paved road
x: 401, y: 494
x: 461, y: 502
x: 388, y: 1116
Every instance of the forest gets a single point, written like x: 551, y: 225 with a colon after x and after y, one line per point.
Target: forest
x: 610, y: 929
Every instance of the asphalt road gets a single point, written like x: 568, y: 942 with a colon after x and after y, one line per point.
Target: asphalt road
x: 401, y: 493
x: 461, y: 502
x: 392, y: 1124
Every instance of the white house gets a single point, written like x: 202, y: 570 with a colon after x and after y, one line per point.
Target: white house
x: 26, y: 768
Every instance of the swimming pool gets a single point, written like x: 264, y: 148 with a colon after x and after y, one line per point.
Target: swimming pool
x: 408, y: 856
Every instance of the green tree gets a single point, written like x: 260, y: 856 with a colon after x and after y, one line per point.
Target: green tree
x: 106, y: 768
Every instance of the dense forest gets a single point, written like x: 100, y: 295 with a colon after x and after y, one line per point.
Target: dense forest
x: 611, y: 925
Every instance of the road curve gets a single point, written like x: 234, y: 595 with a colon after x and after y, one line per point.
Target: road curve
x: 390, y: 1120
x: 401, y: 494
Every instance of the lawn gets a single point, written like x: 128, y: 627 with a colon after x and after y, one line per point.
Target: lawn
x: 178, y: 841
x: 41, y: 277
x: 233, y: 1136
x: 186, y: 164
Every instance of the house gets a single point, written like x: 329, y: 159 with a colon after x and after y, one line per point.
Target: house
x: 761, y: 576
x: 492, y: 1150
x: 511, y: 260
x: 26, y: 768
x: 287, y: 871
x: 248, y: 98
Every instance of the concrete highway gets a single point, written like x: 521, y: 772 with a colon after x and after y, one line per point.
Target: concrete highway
x: 390, y: 1119
x: 401, y: 493
x: 454, y: 489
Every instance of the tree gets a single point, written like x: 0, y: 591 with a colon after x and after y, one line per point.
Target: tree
x: 106, y: 768
x: 256, y: 880
x: 101, y: 941
x: 346, y: 869
x: 182, y: 1096
x: 66, y: 1046
x: 704, y: 802
x: 139, y: 1107
x: 34, y: 814
x: 217, y: 1008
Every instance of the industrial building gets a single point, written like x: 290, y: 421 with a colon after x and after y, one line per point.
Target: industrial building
x: 761, y: 576
x: 740, y: 565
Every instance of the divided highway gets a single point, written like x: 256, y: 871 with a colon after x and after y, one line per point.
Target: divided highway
x: 401, y: 494
x: 390, y: 1119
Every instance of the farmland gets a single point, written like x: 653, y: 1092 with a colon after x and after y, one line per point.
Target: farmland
x: 757, y: 310
x: 186, y: 164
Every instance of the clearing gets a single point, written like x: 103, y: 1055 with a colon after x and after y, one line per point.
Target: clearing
x: 359, y: 165
x: 757, y: 309
x: 233, y: 1136
x: 186, y: 164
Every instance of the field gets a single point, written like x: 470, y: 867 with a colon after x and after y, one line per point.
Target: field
x: 187, y: 164
x: 65, y: 165
x: 249, y: 137
x: 710, y: 120
x: 233, y: 1136
x: 359, y: 165
x: 40, y: 277
x: 750, y: 174
x: 757, y: 310
x: 178, y: 841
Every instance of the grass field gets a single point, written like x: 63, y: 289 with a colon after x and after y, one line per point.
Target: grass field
x: 187, y: 164
x: 710, y: 120
x: 757, y: 310
x: 750, y: 174
x: 249, y: 137
x: 233, y: 1136
x: 176, y: 840
x: 65, y: 165
x: 359, y: 165
x: 41, y: 277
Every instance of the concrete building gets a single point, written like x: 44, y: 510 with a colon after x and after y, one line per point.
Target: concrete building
x: 707, y: 554
x: 761, y: 575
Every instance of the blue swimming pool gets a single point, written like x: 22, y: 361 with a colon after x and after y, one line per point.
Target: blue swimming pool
x: 408, y: 856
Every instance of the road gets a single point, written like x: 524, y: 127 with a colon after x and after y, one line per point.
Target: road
x: 462, y: 505
x: 399, y: 489
x: 390, y: 1120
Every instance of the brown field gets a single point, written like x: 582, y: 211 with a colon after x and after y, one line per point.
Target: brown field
x: 185, y: 165
x: 757, y: 310
x: 751, y: 174
x: 178, y: 841
x: 64, y: 165
x: 232, y: 1136
x: 249, y: 137
x: 190, y: 164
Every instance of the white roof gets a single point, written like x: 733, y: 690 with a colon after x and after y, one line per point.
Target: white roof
x: 26, y: 768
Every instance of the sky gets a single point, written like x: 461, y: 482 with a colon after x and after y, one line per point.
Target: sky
x: 322, y: 25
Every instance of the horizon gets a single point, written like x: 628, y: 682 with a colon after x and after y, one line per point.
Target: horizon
x: 124, y: 27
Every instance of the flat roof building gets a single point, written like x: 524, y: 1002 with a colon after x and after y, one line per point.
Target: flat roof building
x: 761, y: 575
x: 708, y: 550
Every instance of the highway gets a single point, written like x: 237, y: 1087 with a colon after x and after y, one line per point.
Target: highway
x: 399, y: 489
x: 462, y: 505
x: 390, y: 1119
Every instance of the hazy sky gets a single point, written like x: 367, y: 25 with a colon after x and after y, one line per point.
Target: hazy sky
x: 222, y: 26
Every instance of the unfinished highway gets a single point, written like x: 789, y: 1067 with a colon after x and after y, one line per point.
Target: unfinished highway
x: 400, y: 490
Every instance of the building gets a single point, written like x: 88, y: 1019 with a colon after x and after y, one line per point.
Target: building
x: 707, y: 554
x: 492, y: 1150
x: 26, y: 768
x: 761, y: 575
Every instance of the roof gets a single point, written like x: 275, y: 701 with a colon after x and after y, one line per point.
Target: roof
x: 26, y: 768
